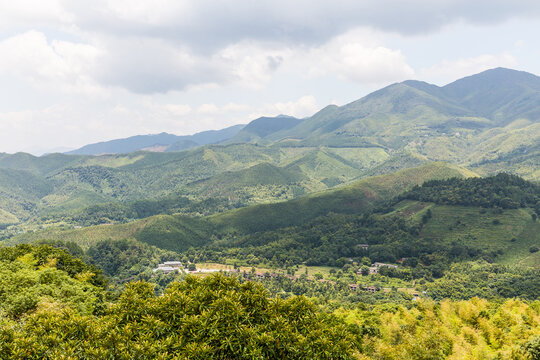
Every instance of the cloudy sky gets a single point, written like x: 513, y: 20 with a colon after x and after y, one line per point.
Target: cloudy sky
x: 75, y: 72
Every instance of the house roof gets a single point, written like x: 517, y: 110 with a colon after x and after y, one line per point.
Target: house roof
x: 172, y: 263
x: 165, y: 268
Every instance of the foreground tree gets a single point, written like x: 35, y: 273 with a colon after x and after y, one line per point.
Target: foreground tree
x: 214, y: 317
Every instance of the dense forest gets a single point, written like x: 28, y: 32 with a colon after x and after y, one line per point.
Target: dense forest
x: 297, y: 290
x: 123, y: 212
x: 505, y: 191
x: 59, y: 308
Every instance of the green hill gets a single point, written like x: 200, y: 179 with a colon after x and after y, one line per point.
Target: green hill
x: 476, y: 119
x: 487, y: 122
x: 259, y: 183
x: 42, y: 165
x: 392, y: 116
x: 502, y: 95
x: 30, y: 186
x: 243, y: 172
x: 179, y: 232
x: 20, y: 194
x: 453, y: 217
x: 439, y: 223
x: 354, y: 198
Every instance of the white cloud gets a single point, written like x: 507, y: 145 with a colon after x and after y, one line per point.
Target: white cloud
x: 148, y: 65
x: 165, y: 45
x: 236, y: 108
x: 357, y: 56
x: 302, y: 107
x: 211, y: 24
x: 183, y: 66
x: 155, y: 12
x: 178, y: 109
x: 60, y: 64
x: 46, y: 126
x: 450, y: 70
x: 33, y: 13
x: 252, y: 64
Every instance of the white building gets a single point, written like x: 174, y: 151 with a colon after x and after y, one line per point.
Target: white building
x: 174, y: 264
x: 169, y: 267
x: 165, y: 269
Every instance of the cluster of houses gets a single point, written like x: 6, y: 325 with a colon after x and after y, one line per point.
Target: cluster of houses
x: 371, y: 288
x: 374, y: 268
x: 177, y: 266
x: 169, y: 267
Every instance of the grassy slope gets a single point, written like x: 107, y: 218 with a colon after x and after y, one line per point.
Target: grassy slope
x: 472, y: 226
x: 78, y: 181
x: 232, y: 182
x: 177, y: 232
x: 352, y: 198
x: 246, y: 172
x: 475, y: 227
x: 85, y: 237
x: 7, y: 218
x: 39, y: 165
x: 20, y: 192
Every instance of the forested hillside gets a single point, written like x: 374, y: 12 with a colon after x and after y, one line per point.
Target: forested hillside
x: 240, y: 174
x: 227, y: 317
x: 487, y: 118
x: 432, y: 226
x: 170, y: 231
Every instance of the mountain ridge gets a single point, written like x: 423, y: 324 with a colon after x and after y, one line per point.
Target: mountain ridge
x: 170, y: 142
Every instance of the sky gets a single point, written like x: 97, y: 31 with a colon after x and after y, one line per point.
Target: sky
x: 77, y: 72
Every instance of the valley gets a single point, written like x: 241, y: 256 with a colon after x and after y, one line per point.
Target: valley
x: 414, y: 202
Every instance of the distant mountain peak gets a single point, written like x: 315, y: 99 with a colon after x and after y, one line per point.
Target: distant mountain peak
x: 263, y: 127
x: 499, y: 76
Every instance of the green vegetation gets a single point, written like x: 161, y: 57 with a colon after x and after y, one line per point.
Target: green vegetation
x: 54, y: 305
x: 428, y: 239
x: 321, y: 229
x: 473, y: 329
x: 69, y: 188
x: 179, y: 232
x: 340, y: 236
x: 262, y: 127
x: 503, y: 191
x: 32, y: 276
x: 199, y: 318
x: 400, y: 126
x: 354, y: 198
x: 127, y: 260
x: 467, y: 280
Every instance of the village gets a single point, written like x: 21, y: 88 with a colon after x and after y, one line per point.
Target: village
x: 171, y: 267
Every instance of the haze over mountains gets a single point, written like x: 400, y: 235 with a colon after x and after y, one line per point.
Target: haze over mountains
x: 159, y: 142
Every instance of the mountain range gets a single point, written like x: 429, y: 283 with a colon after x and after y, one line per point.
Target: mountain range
x: 487, y: 123
x: 478, y: 121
